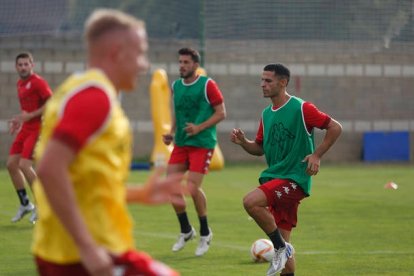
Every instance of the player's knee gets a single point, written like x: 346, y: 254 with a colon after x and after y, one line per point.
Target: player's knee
x: 24, y: 166
x: 248, y: 203
x: 193, y: 189
x: 12, y: 165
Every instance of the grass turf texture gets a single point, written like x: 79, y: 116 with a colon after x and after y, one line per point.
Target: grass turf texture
x: 350, y: 225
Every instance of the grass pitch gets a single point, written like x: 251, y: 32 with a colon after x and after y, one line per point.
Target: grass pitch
x: 350, y: 225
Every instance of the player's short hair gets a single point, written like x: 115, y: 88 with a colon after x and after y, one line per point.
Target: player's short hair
x: 24, y: 55
x: 279, y: 70
x: 195, y: 55
x: 102, y: 21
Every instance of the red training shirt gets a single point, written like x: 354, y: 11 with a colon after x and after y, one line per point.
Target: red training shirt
x: 33, y: 93
x: 313, y: 118
x: 83, y: 115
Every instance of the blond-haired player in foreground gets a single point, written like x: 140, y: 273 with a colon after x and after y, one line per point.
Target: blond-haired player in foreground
x: 83, y: 156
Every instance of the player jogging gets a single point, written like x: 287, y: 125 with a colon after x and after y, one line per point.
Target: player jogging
x: 198, y: 107
x: 84, y: 155
x: 285, y: 137
x: 33, y: 92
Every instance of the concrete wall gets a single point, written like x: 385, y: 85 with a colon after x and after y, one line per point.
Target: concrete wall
x: 364, y: 87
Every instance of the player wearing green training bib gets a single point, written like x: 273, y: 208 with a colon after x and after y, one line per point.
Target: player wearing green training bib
x: 286, y: 143
x: 285, y: 137
x: 198, y: 106
x: 191, y: 104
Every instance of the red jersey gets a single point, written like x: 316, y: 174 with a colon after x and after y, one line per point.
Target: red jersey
x: 33, y: 93
x: 213, y: 93
x: 73, y: 129
x: 313, y: 118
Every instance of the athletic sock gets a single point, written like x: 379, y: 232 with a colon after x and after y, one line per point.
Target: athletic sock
x: 277, y: 239
x: 204, y: 231
x: 184, y: 223
x: 24, y: 200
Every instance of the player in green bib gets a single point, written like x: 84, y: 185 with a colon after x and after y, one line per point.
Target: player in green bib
x: 198, y: 106
x: 285, y: 137
x: 191, y: 105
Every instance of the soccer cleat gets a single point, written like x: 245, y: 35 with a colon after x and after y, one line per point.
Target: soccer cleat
x: 280, y: 258
x: 33, y: 216
x: 183, y: 238
x: 204, y: 244
x: 23, y: 210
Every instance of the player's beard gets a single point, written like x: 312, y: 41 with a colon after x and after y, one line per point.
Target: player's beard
x: 271, y: 93
x: 187, y: 75
x: 266, y: 94
x: 24, y: 74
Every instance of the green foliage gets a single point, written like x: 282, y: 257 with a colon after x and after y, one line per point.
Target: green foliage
x: 350, y: 225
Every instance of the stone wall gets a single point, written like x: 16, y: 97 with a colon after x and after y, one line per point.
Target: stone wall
x: 364, y: 87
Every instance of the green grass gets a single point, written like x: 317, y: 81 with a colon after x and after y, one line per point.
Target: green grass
x: 350, y: 225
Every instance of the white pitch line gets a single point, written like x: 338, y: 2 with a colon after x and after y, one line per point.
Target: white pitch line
x: 220, y: 244
x: 312, y: 252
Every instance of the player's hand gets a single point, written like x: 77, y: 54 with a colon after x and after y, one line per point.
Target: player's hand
x: 237, y: 136
x: 314, y: 163
x: 14, y: 125
x: 97, y: 261
x: 167, y: 138
x: 192, y: 129
x: 159, y: 189
x: 25, y: 116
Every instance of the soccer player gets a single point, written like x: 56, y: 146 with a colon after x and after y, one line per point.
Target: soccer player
x: 84, y: 153
x: 33, y: 92
x: 198, y: 106
x: 285, y: 137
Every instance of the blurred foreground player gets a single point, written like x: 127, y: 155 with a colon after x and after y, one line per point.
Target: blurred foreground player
x: 84, y: 154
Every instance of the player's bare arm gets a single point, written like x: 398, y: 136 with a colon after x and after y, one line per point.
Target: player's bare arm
x: 14, y: 125
x: 169, y: 137
x: 27, y: 116
x: 158, y: 189
x: 238, y: 137
x: 16, y: 122
x: 53, y: 173
x: 333, y: 131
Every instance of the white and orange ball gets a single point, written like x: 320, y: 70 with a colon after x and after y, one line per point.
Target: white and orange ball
x: 262, y: 251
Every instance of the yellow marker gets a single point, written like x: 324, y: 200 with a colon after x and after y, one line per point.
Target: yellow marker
x: 160, y: 98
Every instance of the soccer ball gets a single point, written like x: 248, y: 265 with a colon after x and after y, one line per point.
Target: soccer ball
x: 262, y: 251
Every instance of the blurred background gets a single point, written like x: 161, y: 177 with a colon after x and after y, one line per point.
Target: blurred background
x: 352, y: 59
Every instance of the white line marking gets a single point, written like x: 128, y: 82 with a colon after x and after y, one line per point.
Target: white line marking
x: 311, y: 252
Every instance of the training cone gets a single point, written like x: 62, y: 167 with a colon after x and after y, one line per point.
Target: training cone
x: 391, y: 185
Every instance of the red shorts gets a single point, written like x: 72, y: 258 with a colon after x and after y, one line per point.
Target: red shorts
x: 130, y: 263
x: 196, y: 159
x: 283, y: 198
x: 24, y: 143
